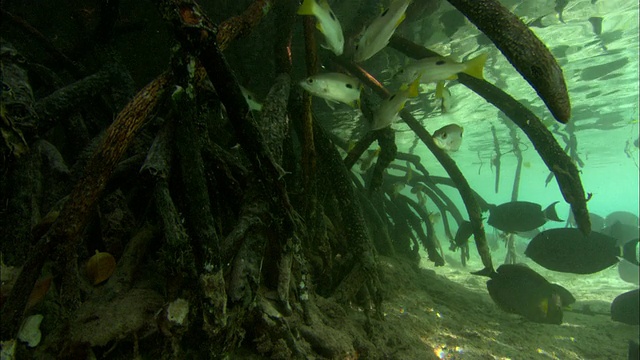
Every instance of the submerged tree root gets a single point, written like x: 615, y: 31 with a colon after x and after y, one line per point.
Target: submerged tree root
x: 524, y: 51
x: 545, y: 144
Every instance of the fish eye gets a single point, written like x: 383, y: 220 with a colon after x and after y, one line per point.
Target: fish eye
x: 440, y: 62
x: 310, y: 80
x: 392, y: 96
x: 349, y: 86
x: 249, y: 97
x: 333, y: 17
x: 5, y: 87
x: 357, y: 46
x: 444, y: 135
x: 384, y: 12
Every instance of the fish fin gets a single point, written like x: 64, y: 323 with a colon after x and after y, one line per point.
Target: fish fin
x: 489, y: 272
x: 453, y: 77
x: 414, y: 87
x: 355, y: 104
x: 550, y: 212
x: 439, y: 89
x: 629, y: 251
x: 544, y: 306
x: 329, y: 104
x: 400, y: 20
x: 475, y: 66
x: 308, y: 7
x: 324, y: 4
x: 319, y: 27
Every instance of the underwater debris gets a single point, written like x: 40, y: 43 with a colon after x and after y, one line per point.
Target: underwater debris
x: 100, y: 267
x: 30, y: 330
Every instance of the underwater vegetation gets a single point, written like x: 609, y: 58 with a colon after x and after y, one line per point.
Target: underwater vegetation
x: 171, y: 185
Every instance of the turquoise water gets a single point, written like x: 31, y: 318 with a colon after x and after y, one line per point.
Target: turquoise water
x: 601, y: 72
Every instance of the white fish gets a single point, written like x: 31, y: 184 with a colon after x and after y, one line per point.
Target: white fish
x: 389, y: 109
x: 449, y: 137
x: 434, y: 69
x: 336, y: 87
x: 327, y: 23
x: 376, y: 36
x: 251, y: 99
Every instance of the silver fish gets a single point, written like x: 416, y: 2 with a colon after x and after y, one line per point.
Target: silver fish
x: 449, y: 137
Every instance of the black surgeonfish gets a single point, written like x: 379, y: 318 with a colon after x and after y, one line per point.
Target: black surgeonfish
x: 597, y: 221
x: 518, y: 216
x: 624, y: 217
x: 520, y: 290
x: 624, y: 308
x: 622, y: 232
x: 463, y: 234
x: 568, y: 250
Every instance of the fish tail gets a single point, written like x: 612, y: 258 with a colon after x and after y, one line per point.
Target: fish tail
x: 440, y: 90
x: 308, y: 7
x: 489, y: 272
x: 400, y: 20
x: 550, y: 212
x: 475, y: 66
x: 414, y: 87
x: 629, y: 251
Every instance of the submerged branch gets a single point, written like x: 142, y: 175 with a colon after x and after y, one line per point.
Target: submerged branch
x: 524, y: 51
x: 447, y: 163
x: 77, y: 210
x: 495, y: 161
x: 557, y: 161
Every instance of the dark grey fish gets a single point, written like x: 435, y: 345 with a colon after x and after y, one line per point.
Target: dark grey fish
x: 520, y: 290
x: 463, y: 234
x: 624, y: 308
x: 622, y: 232
x: 568, y: 250
x: 629, y: 272
x: 521, y: 216
x: 597, y: 221
x: 624, y: 217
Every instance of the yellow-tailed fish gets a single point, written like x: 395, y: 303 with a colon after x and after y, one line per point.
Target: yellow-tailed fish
x: 251, y: 99
x: 389, y: 109
x: 376, y: 36
x: 449, y: 137
x: 335, y: 87
x: 327, y: 23
x: 434, y: 69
